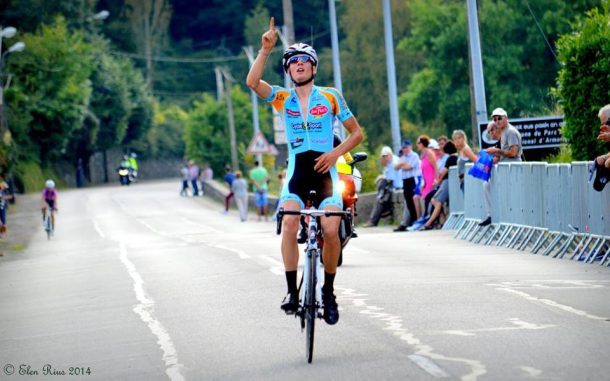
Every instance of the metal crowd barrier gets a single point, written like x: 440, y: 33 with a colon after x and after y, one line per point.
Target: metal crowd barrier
x: 548, y: 209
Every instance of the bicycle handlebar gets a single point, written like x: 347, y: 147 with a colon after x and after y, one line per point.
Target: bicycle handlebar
x: 313, y: 212
x: 308, y: 212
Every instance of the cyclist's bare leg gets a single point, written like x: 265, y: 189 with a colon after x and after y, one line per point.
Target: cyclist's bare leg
x: 290, y: 227
x: 332, y: 244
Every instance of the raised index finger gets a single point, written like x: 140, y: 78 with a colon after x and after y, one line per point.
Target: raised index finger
x: 272, y: 24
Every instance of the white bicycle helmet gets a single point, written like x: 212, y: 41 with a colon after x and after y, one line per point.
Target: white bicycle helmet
x: 296, y: 49
x: 50, y: 184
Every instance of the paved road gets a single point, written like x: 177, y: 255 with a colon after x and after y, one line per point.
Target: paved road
x: 140, y: 284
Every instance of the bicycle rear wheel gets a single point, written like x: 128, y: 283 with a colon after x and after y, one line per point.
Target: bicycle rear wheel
x: 310, y: 307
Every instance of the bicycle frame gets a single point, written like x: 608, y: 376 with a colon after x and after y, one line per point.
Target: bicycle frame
x: 310, y: 290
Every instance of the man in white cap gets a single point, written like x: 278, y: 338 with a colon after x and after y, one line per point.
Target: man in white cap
x: 510, y: 141
x: 510, y: 150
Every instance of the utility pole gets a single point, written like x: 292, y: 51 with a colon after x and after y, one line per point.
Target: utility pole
x: 232, y: 137
x: 220, y: 91
x: 334, y: 39
x: 288, y: 21
x: 255, y: 122
x: 477, y: 89
x: 389, y: 52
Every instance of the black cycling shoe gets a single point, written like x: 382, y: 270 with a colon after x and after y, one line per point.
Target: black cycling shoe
x: 290, y: 304
x: 354, y: 235
x: 331, y: 311
x: 302, y: 236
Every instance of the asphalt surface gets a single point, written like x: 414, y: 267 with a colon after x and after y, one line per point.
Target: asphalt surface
x: 139, y: 283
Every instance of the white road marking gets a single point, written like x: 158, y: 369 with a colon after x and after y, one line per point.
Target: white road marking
x: 424, y: 353
x: 552, y: 303
x: 429, y: 366
x: 145, y: 309
x: 277, y: 268
x: 518, y: 324
x: 97, y: 228
x: 242, y: 254
x: 554, y: 284
x: 530, y: 372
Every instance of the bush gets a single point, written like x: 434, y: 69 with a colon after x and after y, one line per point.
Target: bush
x: 30, y: 177
x: 583, y: 82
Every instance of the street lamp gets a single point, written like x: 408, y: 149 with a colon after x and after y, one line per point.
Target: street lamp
x: 7, y: 32
x: 101, y: 15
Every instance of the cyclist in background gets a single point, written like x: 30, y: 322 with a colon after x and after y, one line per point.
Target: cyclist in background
x: 307, y: 111
x: 49, y: 200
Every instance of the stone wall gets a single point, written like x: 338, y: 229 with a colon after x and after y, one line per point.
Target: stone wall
x: 366, y: 201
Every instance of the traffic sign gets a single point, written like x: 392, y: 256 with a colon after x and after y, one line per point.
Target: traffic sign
x: 259, y: 144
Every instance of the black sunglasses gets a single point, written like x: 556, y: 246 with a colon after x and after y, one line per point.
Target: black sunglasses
x: 607, y: 122
x: 496, y: 118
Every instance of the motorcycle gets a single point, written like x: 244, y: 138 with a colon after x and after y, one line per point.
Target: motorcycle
x: 350, y: 184
x: 124, y: 175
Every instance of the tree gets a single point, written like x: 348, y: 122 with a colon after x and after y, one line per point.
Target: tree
x: 50, y: 92
x: 149, y: 22
x: 518, y: 64
x: 206, y: 131
x: 166, y: 137
x: 583, y: 82
x: 364, y: 66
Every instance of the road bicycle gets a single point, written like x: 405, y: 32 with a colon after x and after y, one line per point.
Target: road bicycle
x: 47, y: 222
x: 310, y: 285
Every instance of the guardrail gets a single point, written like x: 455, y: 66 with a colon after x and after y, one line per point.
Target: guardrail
x: 550, y: 209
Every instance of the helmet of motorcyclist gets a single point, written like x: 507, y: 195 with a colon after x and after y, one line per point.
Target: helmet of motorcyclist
x: 299, y: 49
x: 50, y: 184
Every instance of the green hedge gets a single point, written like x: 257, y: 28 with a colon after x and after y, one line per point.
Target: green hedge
x: 583, y: 83
x: 30, y: 177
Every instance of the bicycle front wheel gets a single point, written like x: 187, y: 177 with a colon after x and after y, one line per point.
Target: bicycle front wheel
x: 310, y: 306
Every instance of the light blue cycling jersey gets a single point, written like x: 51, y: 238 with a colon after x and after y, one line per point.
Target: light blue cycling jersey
x: 308, y: 137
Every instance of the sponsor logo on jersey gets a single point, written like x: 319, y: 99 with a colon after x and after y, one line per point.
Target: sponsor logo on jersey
x: 293, y: 114
x: 318, y: 111
x: 320, y: 141
x: 296, y: 142
x: 314, y: 126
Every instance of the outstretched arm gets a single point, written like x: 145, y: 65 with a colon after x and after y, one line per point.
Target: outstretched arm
x: 254, y: 79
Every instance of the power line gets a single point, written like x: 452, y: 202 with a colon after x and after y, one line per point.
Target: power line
x: 541, y: 31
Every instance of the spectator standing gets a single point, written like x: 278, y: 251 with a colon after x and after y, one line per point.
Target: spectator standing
x: 260, y: 177
x: 494, y: 133
x: 428, y: 164
x: 4, y: 197
x: 80, y: 174
x: 409, y: 164
x: 206, y: 176
x: 510, y: 150
x: 601, y: 164
x: 228, y: 178
x: 510, y: 141
x: 184, y: 171
x: 239, y: 187
x: 391, y: 179
x: 194, y: 177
